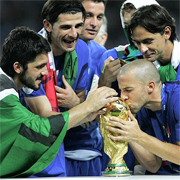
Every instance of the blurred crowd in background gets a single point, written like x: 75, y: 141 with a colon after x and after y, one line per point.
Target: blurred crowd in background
x: 28, y: 13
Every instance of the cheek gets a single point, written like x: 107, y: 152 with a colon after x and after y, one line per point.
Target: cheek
x: 79, y: 30
x: 87, y: 23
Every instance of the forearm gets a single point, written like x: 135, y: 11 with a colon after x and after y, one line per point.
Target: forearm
x: 78, y: 114
x: 167, y: 151
x: 103, y: 81
x: 148, y: 160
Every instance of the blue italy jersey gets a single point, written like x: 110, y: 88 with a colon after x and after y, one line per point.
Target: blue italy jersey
x: 87, y: 136
x: 95, y: 53
x: 129, y: 157
x: 57, y: 167
x: 107, y: 54
x: 164, y: 124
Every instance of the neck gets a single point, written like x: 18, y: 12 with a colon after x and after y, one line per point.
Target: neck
x: 154, y: 103
x: 56, y: 50
x: 86, y: 41
x: 166, y: 57
x: 17, y: 82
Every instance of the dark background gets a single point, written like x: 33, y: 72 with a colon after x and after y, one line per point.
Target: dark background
x: 28, y: 13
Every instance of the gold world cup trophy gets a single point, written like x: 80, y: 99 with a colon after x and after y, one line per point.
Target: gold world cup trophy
x: 115, y: 150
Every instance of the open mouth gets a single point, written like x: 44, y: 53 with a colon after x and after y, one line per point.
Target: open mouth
x: 69, y: 41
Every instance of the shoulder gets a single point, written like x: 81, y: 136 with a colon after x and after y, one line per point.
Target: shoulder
x: 94, y: 44
x: 81, y: 45
x: 82, y: 52
x: 111, y: 52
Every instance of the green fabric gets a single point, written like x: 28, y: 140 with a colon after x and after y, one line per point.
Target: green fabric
x: 20, y: 156
x: 120, y: 54
x: 126, y: 34
x: 167, y: 73
x: 70, y: 70
x: 132, y: 53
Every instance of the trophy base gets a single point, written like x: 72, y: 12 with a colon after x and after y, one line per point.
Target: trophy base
x: 116, y: 170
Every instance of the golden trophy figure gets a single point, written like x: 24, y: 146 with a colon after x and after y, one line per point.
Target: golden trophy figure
x: 115, y: 150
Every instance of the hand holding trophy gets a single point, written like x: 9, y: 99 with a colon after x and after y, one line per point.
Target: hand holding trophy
x: 116, y: 151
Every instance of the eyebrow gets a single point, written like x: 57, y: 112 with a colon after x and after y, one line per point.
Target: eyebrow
x: 90, y: 13
x: 144, y: 40
x: 69, y: 25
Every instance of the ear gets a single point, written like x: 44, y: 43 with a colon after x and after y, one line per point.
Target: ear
x: 151, y: 86
x: 167, y: 32
x: 47, y: 25
x: 17, y: 67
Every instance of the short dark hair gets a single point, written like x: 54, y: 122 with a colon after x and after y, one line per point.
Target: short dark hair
x: 128, y: 7
x: 98, y: 1
x: 153, y: 18
x: 52, y: 9
x: 22, y: 45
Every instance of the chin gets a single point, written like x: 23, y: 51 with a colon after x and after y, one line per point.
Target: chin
x: 69, y: 49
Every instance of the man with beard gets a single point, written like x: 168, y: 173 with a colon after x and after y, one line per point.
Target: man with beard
x: 29, y: 143
x: 65, y: 84
x: 154, y: 135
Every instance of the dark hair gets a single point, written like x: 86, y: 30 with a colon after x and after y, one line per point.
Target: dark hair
x: 52, y: 9
x: 153, y: 18
x: 98, y: 1
x: 128, y: 7
x: 22, y: 45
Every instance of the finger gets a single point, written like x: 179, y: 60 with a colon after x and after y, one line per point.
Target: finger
x: 118, y: 121
x: 60, y: 96
x: 113, y: 68
x: 108, y: 91
x: 111, y: 99
x: 66, y: 85
x: 60, y: 90
x: 115, y: 138
x: 131, y: 116
x: 115, y: 63
x: 108, y: 60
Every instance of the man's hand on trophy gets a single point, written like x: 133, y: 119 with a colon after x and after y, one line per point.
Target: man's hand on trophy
x: 127, y: 130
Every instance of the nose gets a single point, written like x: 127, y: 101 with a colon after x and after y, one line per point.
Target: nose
x: 94, y: 22
x: 73, y: 32
x: 124, y: 96
x: 44, y: 71
x: 143, y: 48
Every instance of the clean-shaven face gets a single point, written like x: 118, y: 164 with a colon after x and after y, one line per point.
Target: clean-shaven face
x: 152, y: 46
x: 132, y: 91
x: 94, y: 19
x: 65, y: 32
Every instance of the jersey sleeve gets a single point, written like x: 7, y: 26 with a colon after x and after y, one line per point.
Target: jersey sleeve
x: 100, y: 66
x: 83, y: 57
x: 28, y: 142
x: 27, y: 92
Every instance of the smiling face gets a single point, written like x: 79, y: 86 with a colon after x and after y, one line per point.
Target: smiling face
x: 65, y: 32
x: 35, y: 71
x: 152, y: 46
x: 94, y: 19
